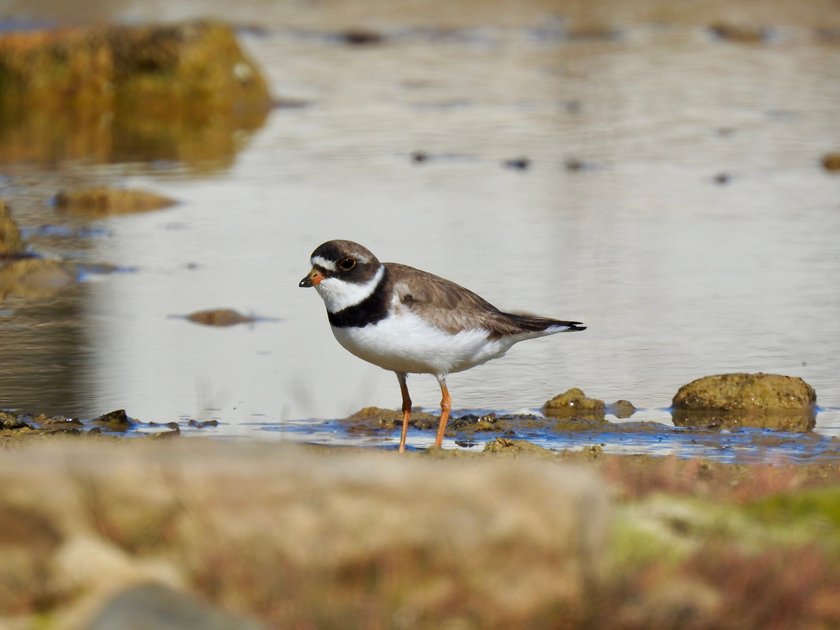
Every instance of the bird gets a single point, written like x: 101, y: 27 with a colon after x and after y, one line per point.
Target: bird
x: 411, y: 321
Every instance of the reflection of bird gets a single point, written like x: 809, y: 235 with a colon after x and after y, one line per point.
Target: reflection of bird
x: 410, y: 321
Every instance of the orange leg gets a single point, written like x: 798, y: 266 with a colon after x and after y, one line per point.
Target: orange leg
x: 406, y: 409
x: 445, y: 407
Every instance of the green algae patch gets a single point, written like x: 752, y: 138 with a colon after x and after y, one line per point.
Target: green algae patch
x: 761, y: 400
x: 114, y: 93
x: 817, y: 508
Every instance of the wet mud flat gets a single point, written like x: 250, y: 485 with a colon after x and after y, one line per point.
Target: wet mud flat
x: 258, y: 535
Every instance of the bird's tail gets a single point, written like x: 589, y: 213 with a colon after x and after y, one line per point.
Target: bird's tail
x: 533, y: 323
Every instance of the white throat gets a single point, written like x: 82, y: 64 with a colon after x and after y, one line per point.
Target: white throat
x: 338, y: 294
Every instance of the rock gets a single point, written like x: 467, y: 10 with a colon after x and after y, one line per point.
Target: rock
x: 622, y: 409
x: 164, y: 608
x: 33, y: 278
x: 574, y: 403
x: 164, y: 435
x: 116, y: 420
x: 740, y: 399
x: 739, y: 391
x: 9, y: 420
x: 10, y: 241
x: 108, y: 93
x: 831, y: 162
x: 472, y: 423
x: 740, y: 33
x: 518, y: 164
x: 369, y: 418
x: 199, y: 424
x: 102, y: 201
x: 359, y: 37
x: 220, y: 317
x: 574, y: 164
x: 58, y: 424
x: 506, y: 445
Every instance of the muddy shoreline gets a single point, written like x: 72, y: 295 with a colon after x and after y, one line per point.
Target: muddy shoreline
x: 470, y: 435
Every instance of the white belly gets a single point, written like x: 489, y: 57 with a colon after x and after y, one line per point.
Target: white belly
x: 406, y: 343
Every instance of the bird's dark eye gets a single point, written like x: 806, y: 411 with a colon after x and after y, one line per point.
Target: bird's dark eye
x: 346, y: 264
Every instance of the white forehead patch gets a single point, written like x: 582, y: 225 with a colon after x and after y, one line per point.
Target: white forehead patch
x: 339, y: 294
x: 323, y: 263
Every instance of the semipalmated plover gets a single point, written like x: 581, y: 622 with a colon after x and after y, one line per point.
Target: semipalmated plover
x: 411, y: 321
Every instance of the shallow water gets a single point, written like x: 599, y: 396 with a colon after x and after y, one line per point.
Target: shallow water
x: 673, y: 201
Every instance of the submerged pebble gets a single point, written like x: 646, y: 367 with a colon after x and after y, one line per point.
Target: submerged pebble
x: 740, y: 33
x: 518, y: 164
x: 220, y: 317
x: 102, y: 201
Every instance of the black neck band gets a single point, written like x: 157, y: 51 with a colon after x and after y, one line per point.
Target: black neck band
x: 372, y: 309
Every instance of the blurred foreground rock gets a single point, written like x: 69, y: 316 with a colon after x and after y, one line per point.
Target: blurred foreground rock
x: 159, y: 607
x: 295, y: 535
x: 758, y: 400
x: 115, y: 93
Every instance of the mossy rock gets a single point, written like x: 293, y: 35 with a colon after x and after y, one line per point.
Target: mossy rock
x: 573, y: 403
x: 160, y: 69
x: 759, y: 400
x: 742, y: 391
x: 182, y: 92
